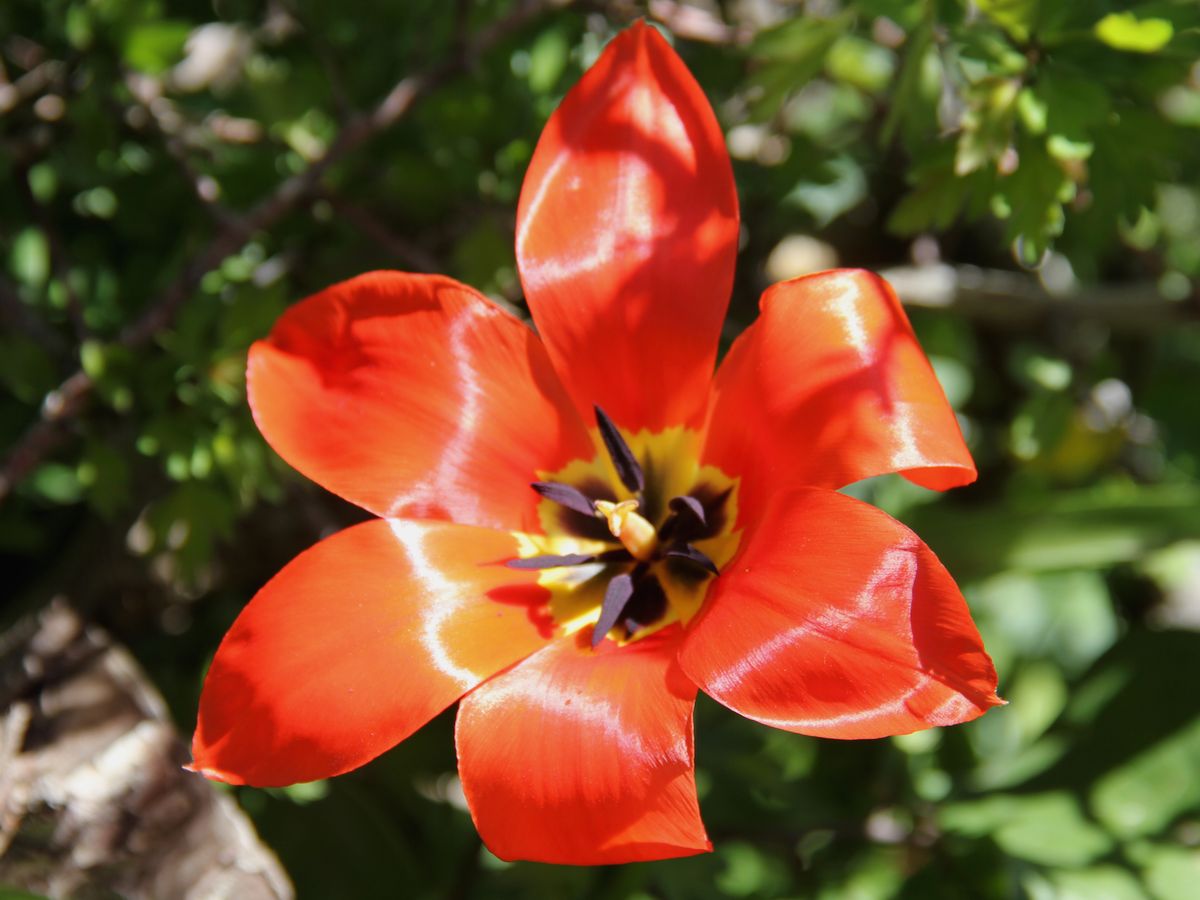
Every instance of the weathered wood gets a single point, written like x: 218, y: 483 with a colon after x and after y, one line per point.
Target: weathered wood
x: 93, y: 799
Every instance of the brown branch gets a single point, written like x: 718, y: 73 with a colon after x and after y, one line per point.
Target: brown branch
x: 697, y: 24
x: 63, y: 404
x: 16, y: 314
x: 168, y: 124
x: 1018, y: 301
x: 405, y: 252
x: 33, y: 83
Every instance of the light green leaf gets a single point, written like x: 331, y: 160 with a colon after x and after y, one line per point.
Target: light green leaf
x: 153, y: 47
x: 1049, y: 829
x: 1125, y: 31
x: 1171, y: 873
x: 1098, y: 883
x: 1014, y: 16
x: 1146, y: 794
x: 547, y: 60
x: 29, y: 260
x: 57, y: 483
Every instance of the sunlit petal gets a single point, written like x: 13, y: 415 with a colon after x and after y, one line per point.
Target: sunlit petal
x: 837, y: 621
x: 412, y: 395
x: 584, y: 757
x: 626, y: 236
x: 358, y: 642
x: 830, y: 386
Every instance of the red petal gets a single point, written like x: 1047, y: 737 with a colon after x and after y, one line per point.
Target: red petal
x: 627, y: 233
x: 830, y: 386
x: 584, y: 757
x: 357, y: 643
x: 837, y: 621
x: 413, y: 395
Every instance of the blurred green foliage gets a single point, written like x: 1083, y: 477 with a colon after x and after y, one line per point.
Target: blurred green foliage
x: 1057, y: 139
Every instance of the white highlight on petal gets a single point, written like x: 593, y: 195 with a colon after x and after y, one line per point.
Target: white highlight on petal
x: 591, y: 711
x: 845, y: 308
x: 445, y: 477
x: 444, y: 601
x: 895, y: 575
x: 901, y: 416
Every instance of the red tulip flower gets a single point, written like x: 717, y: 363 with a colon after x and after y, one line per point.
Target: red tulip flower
x: 580, y: 528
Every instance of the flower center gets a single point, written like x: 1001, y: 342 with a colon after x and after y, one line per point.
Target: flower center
x: 634, y: 532
x: 632, y: 537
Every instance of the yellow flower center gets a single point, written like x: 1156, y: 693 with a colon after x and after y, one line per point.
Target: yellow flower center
x: 660, y: 544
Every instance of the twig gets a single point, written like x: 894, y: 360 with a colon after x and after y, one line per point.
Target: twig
x: 14, y: 313
x: 697, y: 24
x: 205, y: 189
x: 66, y: 401
x: 405, y: 252
x: 1015, y: 300
x: 31, y: 84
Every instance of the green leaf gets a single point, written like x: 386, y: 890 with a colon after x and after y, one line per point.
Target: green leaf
x: 153, y: 47
x: 1014, y: 16
x: 1098, y: 883
x: 1171, y: 873
x: 987, y: 124
x: 1071, y: 529
x: 1125, y: 31
x: 908, y: 85
x: 862, y: 63
x: 547, y: 60
x: 1049, y: 828
x: 1145, y: 795
x: 7, y: 893
x: 935, y: 201
x: 1075, y: 108
x: 1033, y: 198
x: 57, y: 483
x: 29, y: 259
x: 826, y: 199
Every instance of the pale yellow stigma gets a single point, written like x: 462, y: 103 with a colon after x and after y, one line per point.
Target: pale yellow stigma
x: 629, y: 526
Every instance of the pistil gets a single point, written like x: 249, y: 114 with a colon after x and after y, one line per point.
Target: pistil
x: 630, y: 527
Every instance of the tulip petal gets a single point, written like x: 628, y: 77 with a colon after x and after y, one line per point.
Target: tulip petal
x: 627, y: 233
x: 837, y: 621
x: 830, y: 386
x: 584, y: 757
x: 357, y: 643
x: 412, y: 395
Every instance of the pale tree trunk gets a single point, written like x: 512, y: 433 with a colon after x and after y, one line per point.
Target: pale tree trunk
x: 93, y: 799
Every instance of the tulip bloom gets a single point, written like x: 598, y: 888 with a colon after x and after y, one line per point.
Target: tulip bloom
x: 578, y: 531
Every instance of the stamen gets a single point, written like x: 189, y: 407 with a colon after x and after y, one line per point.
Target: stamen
x: 616, y: 595
x: 629, y: 527
x: 688, y: 507
x: 626, y: 464
x: 690, y: 554
x: 551, y: 561
x: 565, y: 495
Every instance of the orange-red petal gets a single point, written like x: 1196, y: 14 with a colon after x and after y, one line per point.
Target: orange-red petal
x: 584, y: 757
x: 830, y: 386
x: 357, y: 643
x: 837, y: 621
x: 627, y: 233
x: 412, y: 395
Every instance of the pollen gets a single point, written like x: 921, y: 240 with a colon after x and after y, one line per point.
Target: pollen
x: 629, y: 527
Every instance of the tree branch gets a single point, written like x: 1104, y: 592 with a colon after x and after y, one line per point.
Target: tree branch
x: 1018, y: 301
